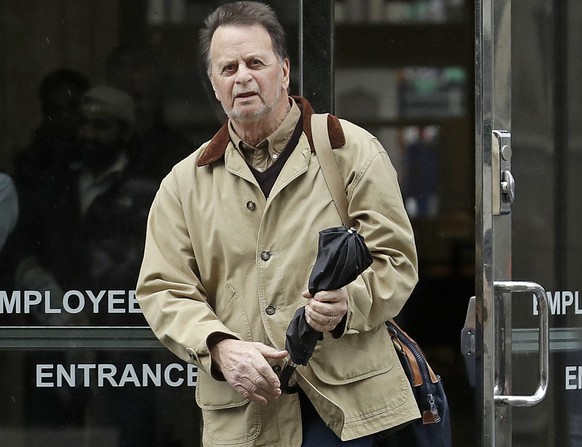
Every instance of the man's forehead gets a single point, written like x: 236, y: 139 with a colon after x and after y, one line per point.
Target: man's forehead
x: 234, y: 40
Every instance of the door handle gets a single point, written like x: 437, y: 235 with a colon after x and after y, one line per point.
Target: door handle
x: 501, y: 287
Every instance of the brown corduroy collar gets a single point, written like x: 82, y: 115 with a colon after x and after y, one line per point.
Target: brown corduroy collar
x: 217, y: 146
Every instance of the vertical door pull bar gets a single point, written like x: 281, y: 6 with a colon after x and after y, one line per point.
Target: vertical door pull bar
x: 543, y: 340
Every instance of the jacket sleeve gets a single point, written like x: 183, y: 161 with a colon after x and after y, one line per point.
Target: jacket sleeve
x: 376, y: 206
x: 169, y: 290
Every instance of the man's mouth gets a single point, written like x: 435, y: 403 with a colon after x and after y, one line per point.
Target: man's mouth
x: 245, y: 95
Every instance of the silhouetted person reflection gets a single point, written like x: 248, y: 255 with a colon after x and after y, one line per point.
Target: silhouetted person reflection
x: 86, y: 233
x: 54, y: 142
x: 54, y: 147
x: 85, y: 230
x: 156, y: 146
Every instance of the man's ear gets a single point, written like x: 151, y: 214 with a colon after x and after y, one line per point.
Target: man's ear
x: 214, y: 88
x: 286, y: 67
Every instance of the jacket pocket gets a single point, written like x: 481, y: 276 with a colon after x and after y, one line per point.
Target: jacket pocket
x: 232, y: 312
x: 229, y: 419
x: 231, y: 426
x: 353, y: 357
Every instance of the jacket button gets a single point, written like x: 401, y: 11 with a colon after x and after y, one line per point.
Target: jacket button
x: 251, y: 205
x: 270, y: 310
x: 265, y: 256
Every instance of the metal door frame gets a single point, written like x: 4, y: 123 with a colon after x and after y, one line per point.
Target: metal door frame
x: 493, y: 282
x: 485, y: 380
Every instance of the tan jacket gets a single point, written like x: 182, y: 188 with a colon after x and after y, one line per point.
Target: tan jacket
x: 221, y: 257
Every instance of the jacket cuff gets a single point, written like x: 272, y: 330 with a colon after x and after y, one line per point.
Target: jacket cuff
x: 342, y: 328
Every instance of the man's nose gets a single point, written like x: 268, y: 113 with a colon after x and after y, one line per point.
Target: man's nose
x: 243, y: 74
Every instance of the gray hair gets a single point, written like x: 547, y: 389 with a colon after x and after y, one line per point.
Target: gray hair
x: 243, y: 14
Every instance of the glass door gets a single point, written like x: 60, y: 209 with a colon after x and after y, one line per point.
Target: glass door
x: 78, y: 364
x: 528, y: 341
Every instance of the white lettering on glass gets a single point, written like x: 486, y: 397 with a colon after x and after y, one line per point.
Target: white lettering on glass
x: 44, y: 375
x: 72, y: 302
x: 133, y: 305
x: 9, y: 305
x: 573, y: 378
x: 108, y: 375
x: 79, y: 300
x: 96, y: 299
x: 116, y: 297
x: 168, y: 377
x: 564, y: 302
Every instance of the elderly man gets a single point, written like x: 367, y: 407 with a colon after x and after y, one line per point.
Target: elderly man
x: 232, y: 234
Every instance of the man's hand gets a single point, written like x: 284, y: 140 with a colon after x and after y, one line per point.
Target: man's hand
x: 326, y: 309
x: 245, y: 367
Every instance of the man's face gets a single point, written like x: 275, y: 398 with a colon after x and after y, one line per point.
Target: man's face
x: 99, y: 127
x: 247, y: 76
x: 100, y: 137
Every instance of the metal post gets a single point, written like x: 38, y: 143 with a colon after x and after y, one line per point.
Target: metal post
x: 316, y: 35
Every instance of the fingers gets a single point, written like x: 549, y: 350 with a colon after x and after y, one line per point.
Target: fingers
x: 321, y: 322
x: 257, y: 381
x: 252, y: 385
x: 325, y: 310
x: 245, y: 367
x: 329, y: 296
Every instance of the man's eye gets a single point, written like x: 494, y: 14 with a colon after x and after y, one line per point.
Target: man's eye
x: 256, y: 63
x: 229, y: 69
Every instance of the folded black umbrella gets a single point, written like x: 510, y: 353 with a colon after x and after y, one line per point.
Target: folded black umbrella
x: 342, y: 255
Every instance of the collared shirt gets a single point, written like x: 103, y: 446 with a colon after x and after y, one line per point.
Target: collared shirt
x: 91, y: 187
x: 262, y: 156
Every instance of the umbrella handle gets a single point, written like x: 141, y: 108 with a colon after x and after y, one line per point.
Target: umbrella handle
x: 285, y: 377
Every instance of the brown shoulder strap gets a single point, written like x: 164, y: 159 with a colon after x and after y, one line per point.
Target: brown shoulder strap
x: 329, y: 167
